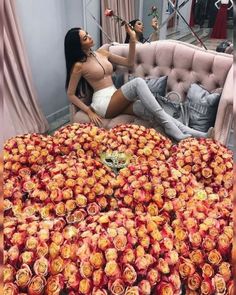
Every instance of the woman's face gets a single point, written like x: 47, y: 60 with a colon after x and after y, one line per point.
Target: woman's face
x: 86, y: 40
x: 138, y: 27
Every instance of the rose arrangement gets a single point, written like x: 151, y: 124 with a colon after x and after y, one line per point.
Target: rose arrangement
x: 157, y: 227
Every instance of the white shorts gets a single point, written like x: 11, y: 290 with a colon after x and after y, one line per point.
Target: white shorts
x: 101, y: 100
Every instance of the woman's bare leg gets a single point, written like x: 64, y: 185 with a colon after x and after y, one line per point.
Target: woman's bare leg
x: 117, y: 105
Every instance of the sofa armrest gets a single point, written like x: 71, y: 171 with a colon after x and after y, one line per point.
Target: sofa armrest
x: 224, y: 117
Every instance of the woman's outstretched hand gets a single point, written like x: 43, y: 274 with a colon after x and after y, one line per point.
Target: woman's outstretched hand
x: 94, y: 118
x: 154, y: 24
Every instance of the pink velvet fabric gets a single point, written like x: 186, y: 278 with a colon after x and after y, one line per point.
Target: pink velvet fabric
x: 183, y: 64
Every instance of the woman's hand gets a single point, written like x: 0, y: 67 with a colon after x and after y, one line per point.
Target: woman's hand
x: 94, y: 118
x: 154, y: 24
x: 131, y: 32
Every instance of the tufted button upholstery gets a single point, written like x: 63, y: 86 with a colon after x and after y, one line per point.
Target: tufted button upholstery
x: 183, y: 64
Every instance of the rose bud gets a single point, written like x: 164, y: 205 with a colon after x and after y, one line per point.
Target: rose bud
x: 207, y: 287
x: 117, y: 287
x: 57, y: 238
x: 163, y: 266
x: 54, y: 250
x: 23, y: 276
x: 69, y: 232
x: 224, y: 270
x: 164, y: 288
x: 223, y: 244
x: 172, y: 257
x: 13, y: 254
x: 112, y: 269
x: 57, y: 265
x: 10, y: 289
x: 111, y: 254
x: 37, y: 285
x: 219, y: 284
x: 41, y: 266
x: 93, y: 209
x: 214, y: 257
x: 86, y: 269
x: 208, y: 244
x: 60, y: 209
x: 31, y: 243
x: 129, y: 274
x: 96, y: 259
x: 144, y: 287
x: 42, y: 249
x: 196, y: 257
x: 18, y: 238
x: 195, y: 239
x: 27, y: 257
x: 207, y: 270
x: 132, y: 291
x: 85, y: 286
x: 186, y: 268
x: 55, y: 284
x: 194, y: 281
x: 8, y: 273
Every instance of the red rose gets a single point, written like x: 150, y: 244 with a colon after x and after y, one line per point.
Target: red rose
x: 108, y: 12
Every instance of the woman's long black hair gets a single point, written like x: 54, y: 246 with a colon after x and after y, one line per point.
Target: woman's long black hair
x: 141, y: 37
x: 73, y: 54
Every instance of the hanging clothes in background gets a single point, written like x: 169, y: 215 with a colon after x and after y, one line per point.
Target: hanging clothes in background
x: 211, y: 13
x: 220, y: 27
x: 200, y: 12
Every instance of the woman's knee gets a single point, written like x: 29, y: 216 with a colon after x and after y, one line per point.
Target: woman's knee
x: 139, y: 81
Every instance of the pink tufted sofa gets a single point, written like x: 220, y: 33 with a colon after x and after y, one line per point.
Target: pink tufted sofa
x: 184, y: 64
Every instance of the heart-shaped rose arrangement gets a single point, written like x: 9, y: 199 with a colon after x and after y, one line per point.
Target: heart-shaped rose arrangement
x: 162, y: 224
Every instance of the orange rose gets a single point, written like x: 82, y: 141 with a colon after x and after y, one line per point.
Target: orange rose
x: 60, y: 209
x: 208, y: 244
x: 153, y: 276
x: 223, y: 243
x: 69, y: 232
x: 86, y: 269
x: 207, y: 270
x: 194, y: 281
x: 129, y: 274
x: 196, y: 257
x: 8, y: 273
x: 36, y: 285
x: 145, y: 287
x: 41, y: 266
x: 112, y: 269
x: 219, y: 283
x: 66, y: 251
x: 31, y: 243
x: 111, y: 254
x: 224, y: 270
x: 165, y: 289
x: 93, y: 209
x: 97, y: 277
x: 53, y: 250
x: 10, y: 289
x: 128, y: 256
x: 103, y: 243
x: 132, y: 291
x: 57, y: 265
x: 85, y: 286
x: 54, y: 285
x: 23, y: 276
x: 99, y: 291
x: 117, y: 287
x: 42, y: 249
x: 163, y: 266
x: 186, y: 268
x: 206, y: 287
x: 180, y: 234
x: 120, y: 242
x: 214, y: 257
x: 172, y: 257
x: 97, y: 260
x: 195, y: 239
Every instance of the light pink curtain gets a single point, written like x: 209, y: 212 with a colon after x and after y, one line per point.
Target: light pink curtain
x: 21, y: 113
x: 125, y: 9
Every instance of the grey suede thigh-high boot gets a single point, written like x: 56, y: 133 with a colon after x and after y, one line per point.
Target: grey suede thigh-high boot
x: 137, y: 89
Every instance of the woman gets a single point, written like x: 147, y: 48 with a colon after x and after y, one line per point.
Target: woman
x: 95, y: 68
x: 138, y: 27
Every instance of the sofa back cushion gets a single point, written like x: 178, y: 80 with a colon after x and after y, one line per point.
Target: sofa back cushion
x: 183, y: 63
